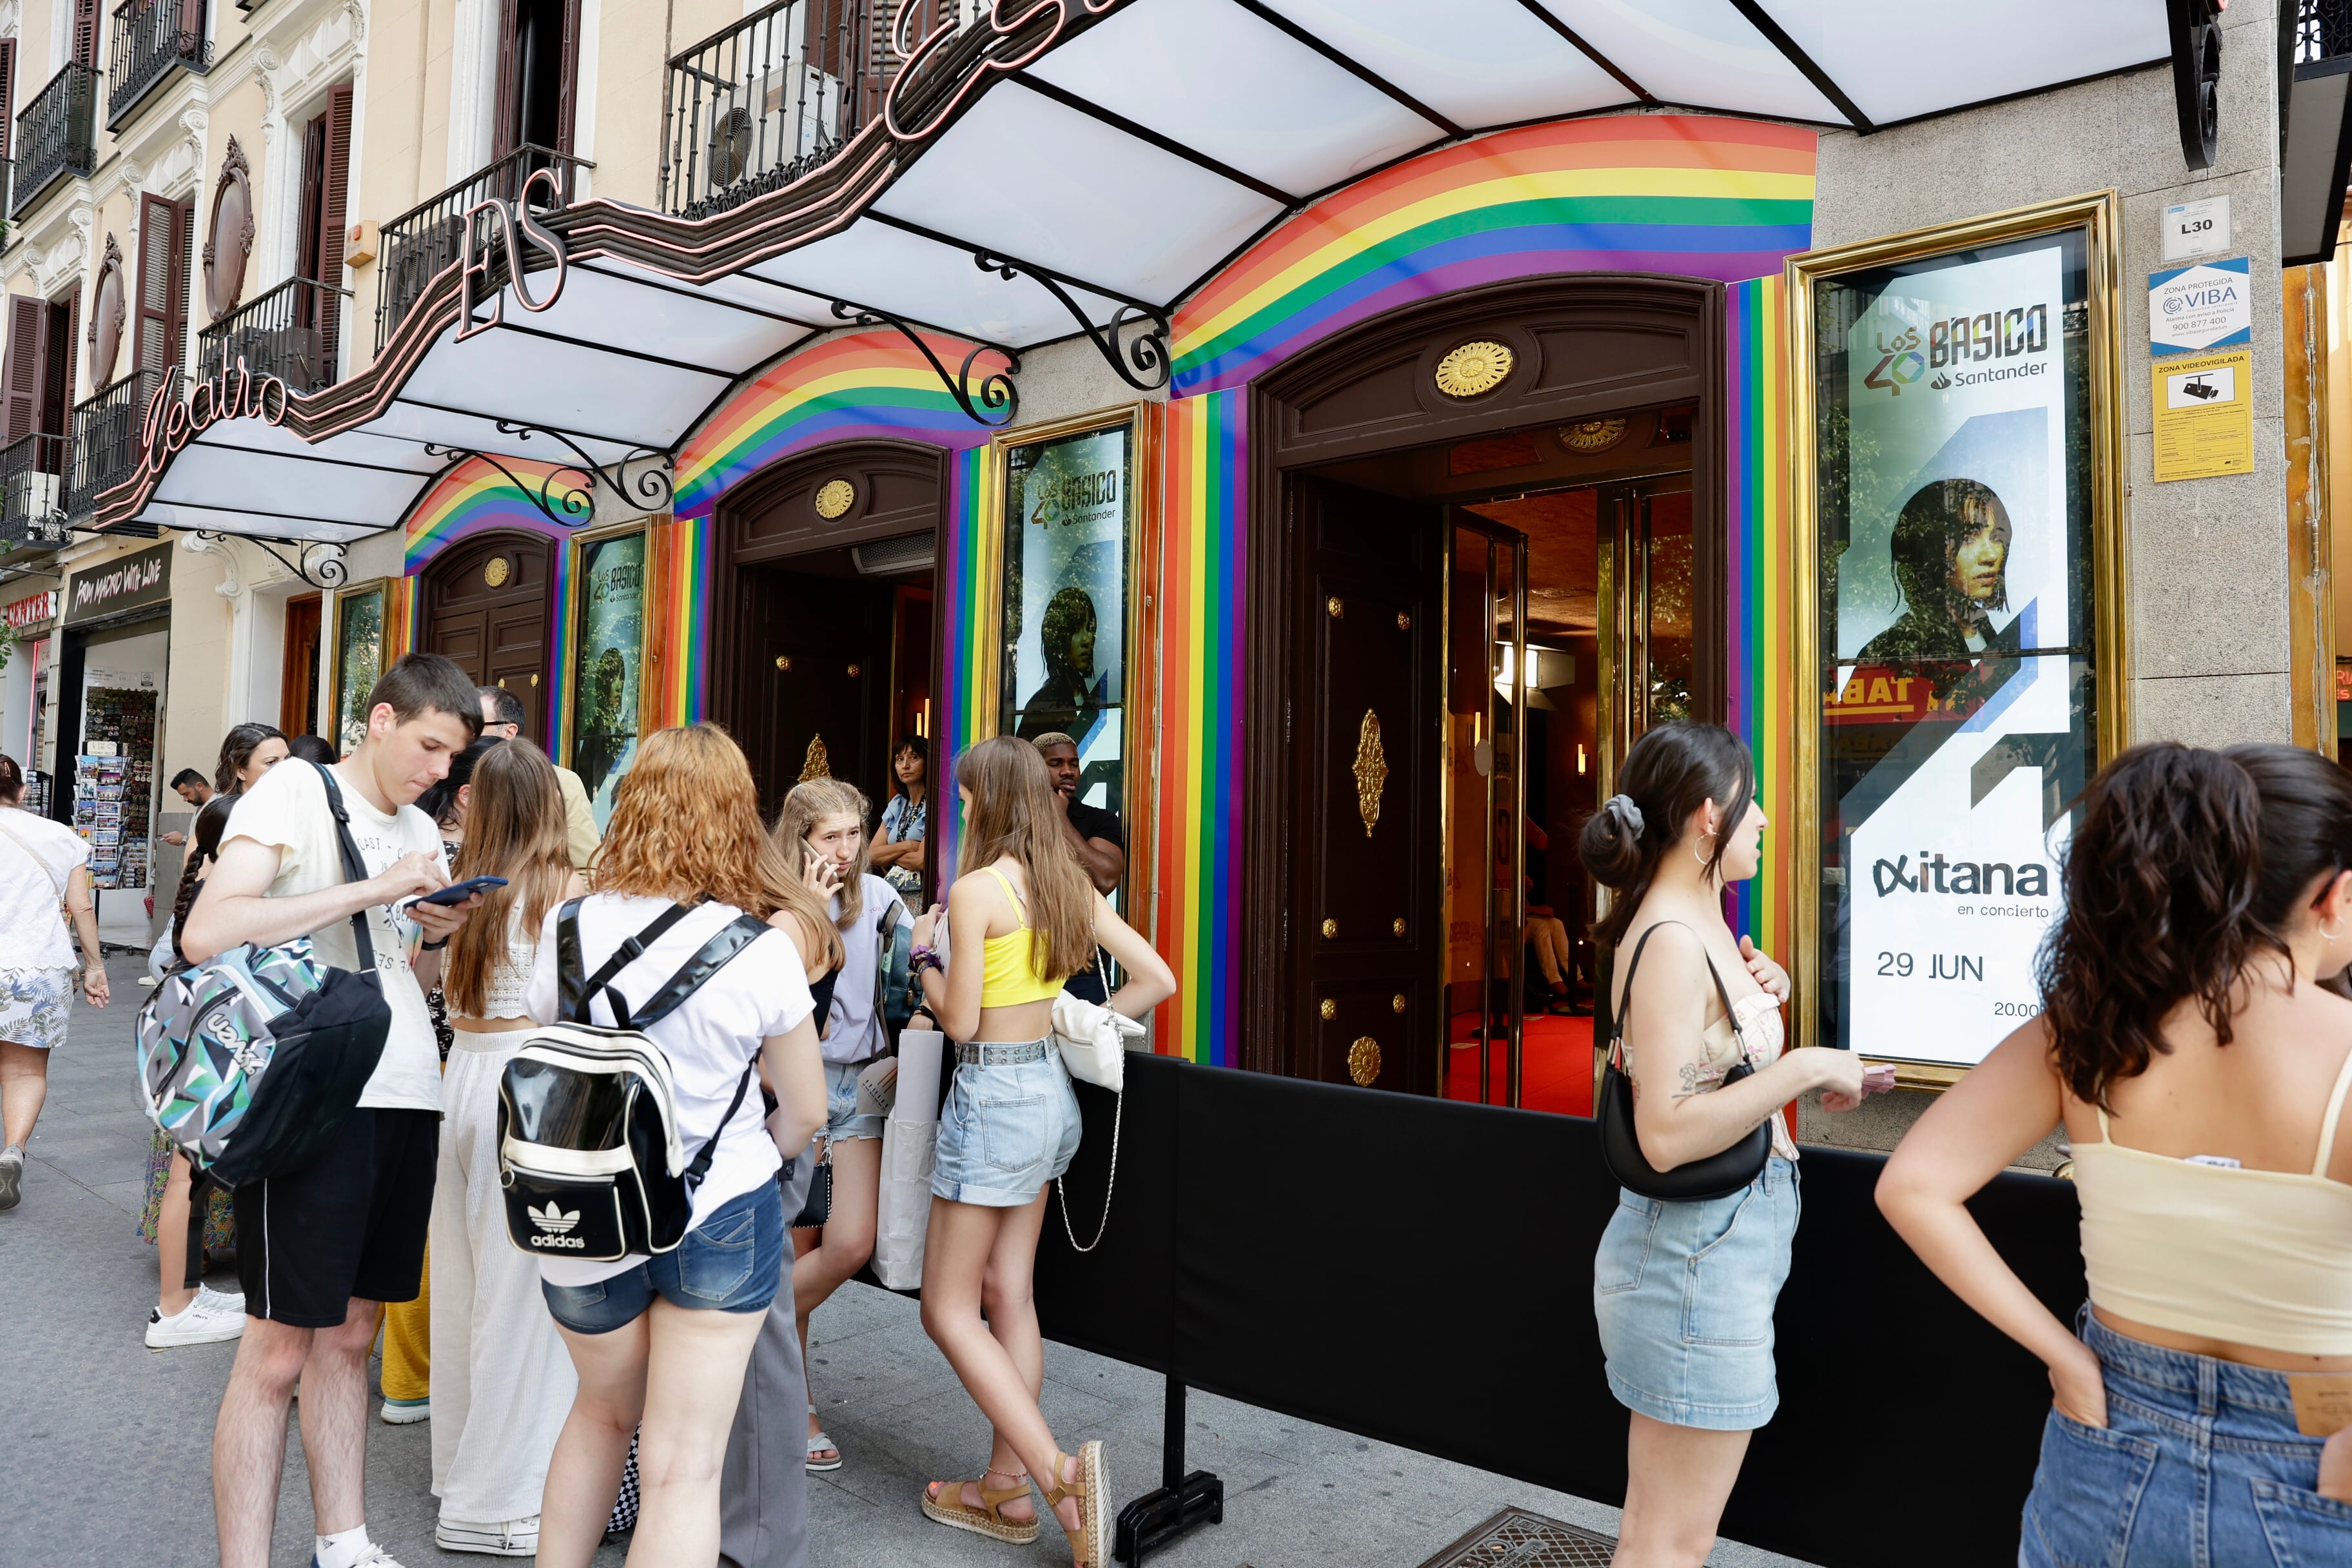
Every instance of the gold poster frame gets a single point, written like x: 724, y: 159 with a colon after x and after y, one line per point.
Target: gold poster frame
x: 574, y: 612
x: 343, y: 594
x: 2099, y: 215
x: 1140, y: 743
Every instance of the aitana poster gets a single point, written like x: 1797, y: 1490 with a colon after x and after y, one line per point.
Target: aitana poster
x: 1068, y: 508
x: 604, y: 703
x: 1955, y: 697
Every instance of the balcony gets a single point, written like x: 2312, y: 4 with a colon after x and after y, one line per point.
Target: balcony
x: 106, y: 432
x: 282, y: 333
x: 151, y: 39
x: 32, y: 492
x: 56, y: 134
x: 414, y: 247
x: 750, y: 110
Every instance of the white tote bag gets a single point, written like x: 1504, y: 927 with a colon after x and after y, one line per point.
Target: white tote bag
x: 910, y: 1136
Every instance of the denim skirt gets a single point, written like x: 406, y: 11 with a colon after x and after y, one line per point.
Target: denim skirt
x: 1005, y: 1133
x: 2200, y: 1464
x: 1683, y: 1293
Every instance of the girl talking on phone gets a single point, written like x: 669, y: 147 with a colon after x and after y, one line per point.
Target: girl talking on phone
x: 2191, y: 1046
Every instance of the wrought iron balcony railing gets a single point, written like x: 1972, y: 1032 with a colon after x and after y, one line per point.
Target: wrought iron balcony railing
x: 414, y: 247
x: 106, y: 431
x: 282, y: 333
x: 2322, y: 30
x: 752, y: 108
x: 32, y: 491
x: 151, y: 37
x: 56, y: 134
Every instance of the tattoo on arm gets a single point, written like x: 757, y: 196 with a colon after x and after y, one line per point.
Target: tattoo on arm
x: 1698, y: 1078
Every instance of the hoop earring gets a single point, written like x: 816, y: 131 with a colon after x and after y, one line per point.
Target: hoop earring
x: 2329, y: 933
x: 1702, y: 859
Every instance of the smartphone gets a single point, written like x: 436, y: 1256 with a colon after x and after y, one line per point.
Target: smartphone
x: 459, y: 892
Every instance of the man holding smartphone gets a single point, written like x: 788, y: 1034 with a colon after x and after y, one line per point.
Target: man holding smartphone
x: 322, y: 1248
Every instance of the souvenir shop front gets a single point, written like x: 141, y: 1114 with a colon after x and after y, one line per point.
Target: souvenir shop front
x: 1398, y: 427
x: 114, y: 650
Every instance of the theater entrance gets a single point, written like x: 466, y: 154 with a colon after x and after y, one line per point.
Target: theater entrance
x: 487, y: 604
x: 1468, y: 634
x: 824, y: 622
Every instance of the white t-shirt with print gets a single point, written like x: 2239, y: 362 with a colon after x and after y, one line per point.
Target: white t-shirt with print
x: 710, y: 1038
x: 36, y: 861
x: 288, y: 811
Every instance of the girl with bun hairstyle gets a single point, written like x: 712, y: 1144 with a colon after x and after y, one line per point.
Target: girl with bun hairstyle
x: 2193, y: 1045
x: 1690, y: 1350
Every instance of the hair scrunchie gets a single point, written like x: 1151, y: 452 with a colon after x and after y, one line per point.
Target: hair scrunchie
x: 1627, y: 814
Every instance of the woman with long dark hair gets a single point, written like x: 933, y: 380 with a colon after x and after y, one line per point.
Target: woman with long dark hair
x: 1024, y: 917
x: 897, y: 852
x: 2199, y: 1063
x: 501, y: 1382
x: 1690, y: 1350
x: 203, y: 1315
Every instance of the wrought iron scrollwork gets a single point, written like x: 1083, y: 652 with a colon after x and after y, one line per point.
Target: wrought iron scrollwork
x: 996, y: 392
x: 1145, y: 352
x: 312, y: 560
x: 566, y: 494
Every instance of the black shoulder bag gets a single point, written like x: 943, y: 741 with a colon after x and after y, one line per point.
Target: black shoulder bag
x: 1717, y: 1175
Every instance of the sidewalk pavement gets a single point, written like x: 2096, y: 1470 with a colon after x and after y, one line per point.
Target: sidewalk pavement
x: 108, y: 1444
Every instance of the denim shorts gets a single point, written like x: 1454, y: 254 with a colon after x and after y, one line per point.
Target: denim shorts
x: 732, y: 1262
x: 842, y: 1119
x: 2199, y: 1463
x: 1683, y: 1293
x: 1007, y: 1132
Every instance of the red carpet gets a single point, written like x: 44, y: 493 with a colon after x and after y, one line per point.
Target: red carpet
x: 1556, y: 1065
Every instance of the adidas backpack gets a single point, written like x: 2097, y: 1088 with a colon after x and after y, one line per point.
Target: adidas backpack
x: 589, y: 1152
x: 251, y: 1061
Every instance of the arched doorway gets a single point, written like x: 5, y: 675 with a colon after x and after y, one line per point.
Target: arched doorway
x: 1489, y: 552
x: 488, y: 603
x: 824, y: 624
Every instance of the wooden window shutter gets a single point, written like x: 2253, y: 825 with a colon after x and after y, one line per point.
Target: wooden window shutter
x: 334, y: 188
x: 158, y: 229
x: 567, y: 91
x: 69, y: 308
x: 28, y: 318
x: 7, y: 99
x: 183, y: 253
x: 85, y: 32
x: 505, y: 126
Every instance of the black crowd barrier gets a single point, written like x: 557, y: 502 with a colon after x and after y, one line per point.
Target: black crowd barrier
x: 1420, y: 1272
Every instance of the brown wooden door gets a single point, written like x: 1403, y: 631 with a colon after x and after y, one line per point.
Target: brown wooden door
x: 813, y: 694
x: 487, y: 605
x: 298, y: 698
x: 1368, y: 1007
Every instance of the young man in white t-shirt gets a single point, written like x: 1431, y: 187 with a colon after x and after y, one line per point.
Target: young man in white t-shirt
x: 320, y: 1249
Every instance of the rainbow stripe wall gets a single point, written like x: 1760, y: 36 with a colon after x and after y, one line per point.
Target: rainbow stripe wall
x: 1677, y: 193
x: 1760, y: 698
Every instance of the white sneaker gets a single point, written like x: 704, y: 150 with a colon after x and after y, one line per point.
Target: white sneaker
x: 208, y: 1319
x: 375, y: 1557
x: 515, y: 1538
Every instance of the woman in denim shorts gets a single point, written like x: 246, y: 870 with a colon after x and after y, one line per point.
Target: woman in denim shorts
x: 1024, y: 915
x: 823, y: 825
x: 2195, y: 1041
x: 1683, y: 1292
x: 664, y: 1340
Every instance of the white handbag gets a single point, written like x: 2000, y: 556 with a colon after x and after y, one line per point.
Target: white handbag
x: 1092, y: 1039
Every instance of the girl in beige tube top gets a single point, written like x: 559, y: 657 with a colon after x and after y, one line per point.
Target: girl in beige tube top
x: 2191, y: 1047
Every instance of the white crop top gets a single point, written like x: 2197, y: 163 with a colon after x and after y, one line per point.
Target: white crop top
x: 510, y: 977
x: 2257, y: 1258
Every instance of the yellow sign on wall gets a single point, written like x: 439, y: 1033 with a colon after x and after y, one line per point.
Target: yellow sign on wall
x: 2204, y: 414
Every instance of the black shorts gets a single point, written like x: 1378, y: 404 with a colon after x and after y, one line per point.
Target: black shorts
x: 350, y: 1223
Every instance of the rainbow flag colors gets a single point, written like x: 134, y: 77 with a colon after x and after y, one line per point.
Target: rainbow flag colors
x: 471, y: 498
x: 1760, y: 695
x: 1688, y: 195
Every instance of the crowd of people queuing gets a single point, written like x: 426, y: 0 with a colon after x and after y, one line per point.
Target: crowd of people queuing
x: 2195, y: 1046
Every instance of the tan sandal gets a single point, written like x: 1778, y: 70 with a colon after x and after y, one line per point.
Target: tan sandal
x: 1090, y: 1543
x: 945, y: 1505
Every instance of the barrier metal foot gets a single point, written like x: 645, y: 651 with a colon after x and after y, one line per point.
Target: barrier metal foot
x: 1157, y: 1518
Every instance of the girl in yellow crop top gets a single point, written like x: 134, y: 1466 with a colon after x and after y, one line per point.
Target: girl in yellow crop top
x: 1024, y: 915
x: 2202, y: 889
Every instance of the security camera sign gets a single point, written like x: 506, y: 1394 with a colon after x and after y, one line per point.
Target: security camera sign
x: 2194, y: 308
x: 2204, y: 415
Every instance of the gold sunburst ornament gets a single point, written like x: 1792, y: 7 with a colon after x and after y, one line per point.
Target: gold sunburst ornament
x: 1592, y: 435
x: 1364, y: 1060
x: 1475, y: 367
x: 1372, y: 770
x: 496, y: 572
x: 816, y: 765
x: 835, y: 497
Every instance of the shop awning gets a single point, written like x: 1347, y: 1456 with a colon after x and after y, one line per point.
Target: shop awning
x: 1082, y: 168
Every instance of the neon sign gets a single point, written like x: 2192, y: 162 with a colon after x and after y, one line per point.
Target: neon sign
x: 475, y: 262
x: 234, y: 394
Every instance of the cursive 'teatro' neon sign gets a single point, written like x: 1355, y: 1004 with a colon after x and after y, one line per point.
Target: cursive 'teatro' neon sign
x: 234, y: 394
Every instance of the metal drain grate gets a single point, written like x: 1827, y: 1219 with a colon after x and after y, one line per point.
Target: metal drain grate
x: 1517, y: 1539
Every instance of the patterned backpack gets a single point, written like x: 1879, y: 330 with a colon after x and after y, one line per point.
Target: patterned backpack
x: 251, y: 1061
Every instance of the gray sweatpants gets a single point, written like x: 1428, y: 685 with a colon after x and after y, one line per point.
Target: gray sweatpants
x: 763, y: 1485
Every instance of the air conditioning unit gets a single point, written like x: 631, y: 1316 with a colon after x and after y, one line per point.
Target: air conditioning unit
x: 38, y: 499
x: 769, y: 120
x: 895, y: 557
